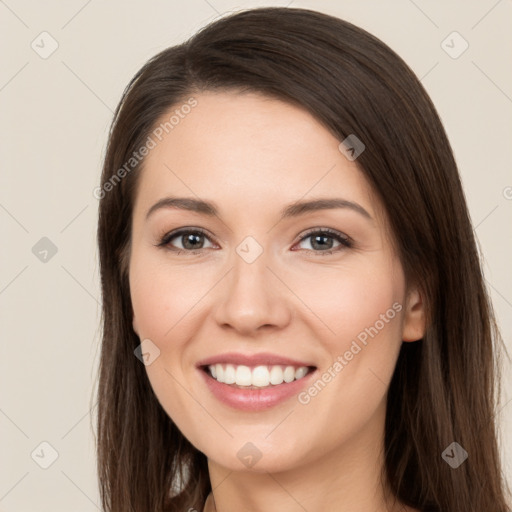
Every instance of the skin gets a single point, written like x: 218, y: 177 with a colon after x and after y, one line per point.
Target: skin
x: 252, y: 156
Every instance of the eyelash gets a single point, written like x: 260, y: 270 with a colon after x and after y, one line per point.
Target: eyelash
x: 344, y: 240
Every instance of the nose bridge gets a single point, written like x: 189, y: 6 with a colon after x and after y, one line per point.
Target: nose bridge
x: 250, y: 263
x: 251, y: 296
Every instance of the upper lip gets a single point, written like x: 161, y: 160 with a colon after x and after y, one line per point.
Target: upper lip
x: 260, y: 359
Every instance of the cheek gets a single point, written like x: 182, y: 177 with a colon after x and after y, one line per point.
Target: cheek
x: 163, y: 297
x: 348, y: 301
x: 163, y: 300
x: 358, y: 314
x: 363, y: 310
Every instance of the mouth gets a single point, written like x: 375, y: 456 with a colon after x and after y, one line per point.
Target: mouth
x: 255, y: 382
x: 255, y: 388
x: 256, y: 377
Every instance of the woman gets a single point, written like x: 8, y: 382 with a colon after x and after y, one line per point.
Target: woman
x: 294, y: 313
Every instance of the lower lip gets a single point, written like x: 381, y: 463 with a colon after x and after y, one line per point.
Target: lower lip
x: 255, y: 399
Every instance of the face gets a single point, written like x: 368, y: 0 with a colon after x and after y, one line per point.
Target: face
x: 316, y: 288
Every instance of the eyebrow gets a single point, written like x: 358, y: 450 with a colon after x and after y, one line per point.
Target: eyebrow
x: 292, y: 210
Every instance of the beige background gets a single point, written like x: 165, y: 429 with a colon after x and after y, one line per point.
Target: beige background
x: 54, y: 121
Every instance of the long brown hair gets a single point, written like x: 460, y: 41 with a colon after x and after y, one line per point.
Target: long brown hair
x: 444, y: 387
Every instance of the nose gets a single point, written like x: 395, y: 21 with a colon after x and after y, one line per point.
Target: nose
x: 251, y: 298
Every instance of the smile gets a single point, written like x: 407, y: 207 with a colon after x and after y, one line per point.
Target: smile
x: 256, y: 388
x: 262, y: 376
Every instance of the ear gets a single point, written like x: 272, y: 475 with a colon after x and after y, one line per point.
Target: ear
x: 413, y: 326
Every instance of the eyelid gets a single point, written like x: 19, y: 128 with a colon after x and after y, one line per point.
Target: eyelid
x: 342, y: 238
x: 166, y: 237
x: 330, y: 231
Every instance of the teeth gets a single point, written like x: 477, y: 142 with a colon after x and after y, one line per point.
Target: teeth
x: 243, y: 376
x: 229, y: 375
x: 260, y: 376
x: 301, y: 372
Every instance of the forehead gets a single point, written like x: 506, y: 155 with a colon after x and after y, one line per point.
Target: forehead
x: 247, y: 148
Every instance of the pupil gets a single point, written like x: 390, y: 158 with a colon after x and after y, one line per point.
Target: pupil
x: 190, y: 239
x: 320, y: 237
x: 194, y: 241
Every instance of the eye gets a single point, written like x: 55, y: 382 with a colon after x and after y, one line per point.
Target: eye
x: 322, y: 238
x: 191, y: 240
